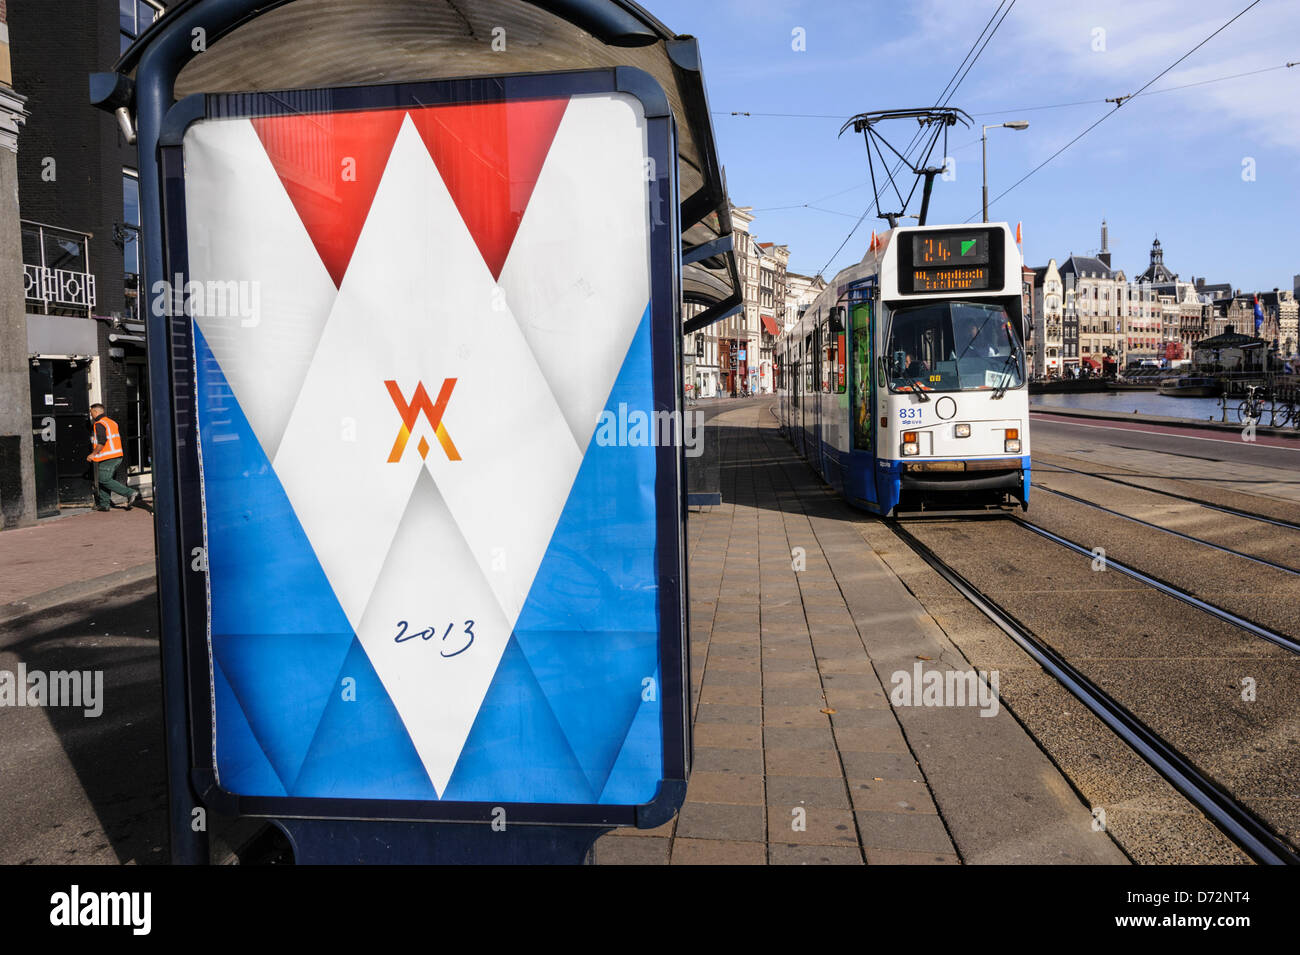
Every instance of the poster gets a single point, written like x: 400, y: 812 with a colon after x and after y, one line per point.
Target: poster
x: 427, y: 576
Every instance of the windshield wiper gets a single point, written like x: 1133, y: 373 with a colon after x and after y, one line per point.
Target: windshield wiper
x: 1006, y: 379
x: 917, y: 388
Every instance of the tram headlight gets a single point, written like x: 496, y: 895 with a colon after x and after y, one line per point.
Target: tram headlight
x: 962, y: 430
x: 910, y: 445
x: 1012, y: 445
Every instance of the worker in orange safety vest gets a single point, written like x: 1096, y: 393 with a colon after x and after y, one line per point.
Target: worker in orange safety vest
x: 106, y: 458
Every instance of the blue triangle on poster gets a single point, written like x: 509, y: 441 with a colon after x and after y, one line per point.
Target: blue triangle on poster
x: 634, y: 779
x: 278, y: 631
x: 242, y: 767
x: 283, y: 682
x: 589, y: 628
x: 516, y: 751
x: 264, y: 572
x: 362, y: 749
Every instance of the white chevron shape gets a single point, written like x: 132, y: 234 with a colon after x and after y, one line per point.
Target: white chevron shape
x: 581, y: 257
x: 419, y: 305
x: 242, y: 228
x: 433, y: 679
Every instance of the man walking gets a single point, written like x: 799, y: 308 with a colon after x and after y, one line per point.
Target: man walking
x: 106, y: 458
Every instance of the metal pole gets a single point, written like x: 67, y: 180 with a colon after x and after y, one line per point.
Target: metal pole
x: 984, y: 147
x: 94, y: 473
x: 85, y: 277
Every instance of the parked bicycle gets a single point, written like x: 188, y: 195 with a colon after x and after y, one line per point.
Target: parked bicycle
x: 1285, y: 413
x: 1286, y: 408
x: 1253, y: 407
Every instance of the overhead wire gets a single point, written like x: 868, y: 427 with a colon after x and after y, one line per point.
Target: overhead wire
x: 945, y: 95
x: 1119, y: 103
x: 1030, y: 109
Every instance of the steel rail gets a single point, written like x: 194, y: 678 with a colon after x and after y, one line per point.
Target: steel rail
x: 1223, y: 508
x: 1187, y: 537
x: 1168, y: 589
x: 1237, y: 822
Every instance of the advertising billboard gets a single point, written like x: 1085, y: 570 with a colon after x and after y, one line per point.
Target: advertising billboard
x: 435, y: 500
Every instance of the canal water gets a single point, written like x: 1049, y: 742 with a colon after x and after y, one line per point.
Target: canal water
x: 1142, y: 402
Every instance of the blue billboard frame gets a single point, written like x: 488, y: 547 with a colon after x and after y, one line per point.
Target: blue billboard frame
x: 181, y: 580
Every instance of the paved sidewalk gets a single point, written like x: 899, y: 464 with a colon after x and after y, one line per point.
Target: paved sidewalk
x: 71, y: 550
x: 799, y: 757
x: 796, y: 626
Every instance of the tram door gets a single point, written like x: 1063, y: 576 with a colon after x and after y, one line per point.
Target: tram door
x: 806, y: 385
x: 833, y: 416
x: 862, y: 400
x: 791, y: 390
x: 818, y: 386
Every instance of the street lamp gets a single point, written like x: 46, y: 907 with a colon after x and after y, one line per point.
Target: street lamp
x: 984, y: 138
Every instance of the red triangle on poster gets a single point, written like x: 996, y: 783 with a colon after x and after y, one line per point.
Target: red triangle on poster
x: 330, y: 165
x: 490, y: 155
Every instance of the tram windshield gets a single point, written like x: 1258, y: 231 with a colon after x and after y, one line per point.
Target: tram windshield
x: 954, y: 346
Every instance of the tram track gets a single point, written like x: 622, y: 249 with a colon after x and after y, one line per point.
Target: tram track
x: 1156, y: 652
x: 1238, y: 823
x: 1170, y: 590
x: 1208, y: 505
x: 1248, y: 565
x: 1285, y: 568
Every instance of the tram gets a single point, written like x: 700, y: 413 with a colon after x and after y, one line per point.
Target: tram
x: 904, y: 384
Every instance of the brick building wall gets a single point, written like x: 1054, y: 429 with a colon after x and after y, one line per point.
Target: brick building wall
x: 71, y: 158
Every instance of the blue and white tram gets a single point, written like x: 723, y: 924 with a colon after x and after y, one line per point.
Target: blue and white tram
x: 904, y: 383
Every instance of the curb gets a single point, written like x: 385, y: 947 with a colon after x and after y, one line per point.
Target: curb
x: 19, y: 610
x: 1230, y: 427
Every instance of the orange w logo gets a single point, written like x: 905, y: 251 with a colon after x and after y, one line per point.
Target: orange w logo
x: 432, y: 412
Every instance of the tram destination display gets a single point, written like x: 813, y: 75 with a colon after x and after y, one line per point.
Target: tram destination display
x: 947, y: 280
x: 939, y: 249
x: 952, y: 260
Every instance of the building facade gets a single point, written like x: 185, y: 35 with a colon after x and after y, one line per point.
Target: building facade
x: 800, y: 292
x: 79, y: 196
x: 737, y: 355
x: 1095, y: 293
x: 1185, y: 308
x: 1105, y: 318
x: 772, y: 286
x: 17, y: 444
x: 1049, y: 321
x: 1282, y: 310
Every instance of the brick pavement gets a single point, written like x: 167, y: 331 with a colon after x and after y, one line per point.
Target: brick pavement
x: 79, y: 544
x: 798, y: 755
x: 799, y: 623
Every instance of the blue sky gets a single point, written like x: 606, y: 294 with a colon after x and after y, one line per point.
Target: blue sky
x: 1167, y: 163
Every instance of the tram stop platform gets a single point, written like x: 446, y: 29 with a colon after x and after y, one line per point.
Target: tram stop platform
x: 800, y: 631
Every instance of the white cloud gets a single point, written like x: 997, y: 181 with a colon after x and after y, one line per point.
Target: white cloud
x: 1045, y: 52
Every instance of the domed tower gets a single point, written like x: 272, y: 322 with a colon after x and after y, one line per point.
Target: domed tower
x: 1156, y: 273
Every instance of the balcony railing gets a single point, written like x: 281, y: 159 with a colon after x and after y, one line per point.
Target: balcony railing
x: 56, y: 269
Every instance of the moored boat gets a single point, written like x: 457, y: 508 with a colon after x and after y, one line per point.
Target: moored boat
x: 1189, y: 387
